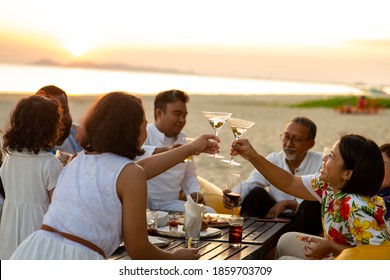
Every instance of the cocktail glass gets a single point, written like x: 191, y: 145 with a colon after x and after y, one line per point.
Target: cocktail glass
x: 217, y: 120
x: 238, y: 127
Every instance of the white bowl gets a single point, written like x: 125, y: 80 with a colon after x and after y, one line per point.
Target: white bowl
x: 162, y: 218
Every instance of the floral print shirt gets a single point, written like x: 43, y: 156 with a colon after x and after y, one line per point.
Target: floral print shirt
x: 349, y: 219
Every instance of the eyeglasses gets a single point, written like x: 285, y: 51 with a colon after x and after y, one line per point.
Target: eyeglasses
x: 285, y: 138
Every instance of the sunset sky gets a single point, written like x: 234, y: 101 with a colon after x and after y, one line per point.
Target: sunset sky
x: 306, y: 40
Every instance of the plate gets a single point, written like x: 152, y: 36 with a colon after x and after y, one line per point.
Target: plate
x: 214, y: 220
x: 219, y: 224
x: 208, y: 233
x: 217, y: 220
x: 158, y: 241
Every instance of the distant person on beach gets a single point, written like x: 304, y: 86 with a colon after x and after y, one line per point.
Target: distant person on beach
x: 297, y: 139
x: 384, y: 191
x: 68, y: 140
x: 101, y: 195
x: 170, y: 112
x: 362, y: 103
x: 29, y: 171
x: 347, y: 184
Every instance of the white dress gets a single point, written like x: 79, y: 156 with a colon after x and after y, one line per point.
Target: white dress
x: 85, y: 204
x: 27, y: 179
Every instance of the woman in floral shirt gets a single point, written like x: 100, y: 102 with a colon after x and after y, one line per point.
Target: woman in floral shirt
x: 347, y: 184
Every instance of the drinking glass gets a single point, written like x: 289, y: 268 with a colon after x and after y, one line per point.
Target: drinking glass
x: 217, y: 120
x: 238, y: 127
x: 236, y: 224
x: 193, y: 226
x: 152, y: 221
x: 232, y: 181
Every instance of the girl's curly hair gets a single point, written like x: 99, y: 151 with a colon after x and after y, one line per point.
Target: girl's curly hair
x: 34, y: 125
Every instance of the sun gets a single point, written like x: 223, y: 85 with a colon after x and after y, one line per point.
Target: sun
x: 77, y: 46
x: 77, y: 49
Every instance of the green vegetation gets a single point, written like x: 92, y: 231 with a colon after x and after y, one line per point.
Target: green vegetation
x: 340, y: 101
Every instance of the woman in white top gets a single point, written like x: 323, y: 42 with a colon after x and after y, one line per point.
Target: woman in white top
x: 30, y: 171
x: 101, y: 196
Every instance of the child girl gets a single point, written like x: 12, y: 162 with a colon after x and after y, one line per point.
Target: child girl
x: 29, y: 171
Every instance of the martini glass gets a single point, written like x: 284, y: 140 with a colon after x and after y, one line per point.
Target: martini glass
x: 238, y: 127
x: 217, y: 120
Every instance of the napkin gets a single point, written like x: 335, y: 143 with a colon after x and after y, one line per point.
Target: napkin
x: 193, y: 213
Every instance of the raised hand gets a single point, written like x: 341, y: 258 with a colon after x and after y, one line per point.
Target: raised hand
x: 206, y: 143
x: 243, y: 148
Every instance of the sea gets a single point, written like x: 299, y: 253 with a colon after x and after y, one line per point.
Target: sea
x: 20, y: 78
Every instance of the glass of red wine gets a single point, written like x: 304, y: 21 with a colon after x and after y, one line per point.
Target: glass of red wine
x: 233, y: 189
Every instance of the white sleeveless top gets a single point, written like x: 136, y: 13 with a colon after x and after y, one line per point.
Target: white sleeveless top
x: 85, y: 202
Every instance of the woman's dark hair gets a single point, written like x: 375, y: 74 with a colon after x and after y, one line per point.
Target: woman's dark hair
x: 113, y: 125
x: 169, y: 96
x: 35, y: 125
x: 55, y: 93
x: 364, y: 157
x: 51, y: 90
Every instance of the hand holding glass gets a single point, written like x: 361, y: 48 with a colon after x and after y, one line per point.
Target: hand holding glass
x: 238, y: 127
x: 217, y: 120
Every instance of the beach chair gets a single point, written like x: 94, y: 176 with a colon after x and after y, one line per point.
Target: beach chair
x: 213, y: 197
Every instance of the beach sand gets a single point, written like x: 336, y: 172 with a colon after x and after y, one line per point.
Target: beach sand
x: 270, y: 113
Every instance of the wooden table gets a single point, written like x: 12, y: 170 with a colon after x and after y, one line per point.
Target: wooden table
x: 209, y: 250
x: 264, y: 234
x: 259, y: 238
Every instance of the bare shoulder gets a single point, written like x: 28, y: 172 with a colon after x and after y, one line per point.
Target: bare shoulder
x: 131, y: 181
x: 132, y: 170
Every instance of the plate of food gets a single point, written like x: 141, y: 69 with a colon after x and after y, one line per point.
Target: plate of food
x: 180, y: 233
x: 211, y: 219
x: 217, y: 220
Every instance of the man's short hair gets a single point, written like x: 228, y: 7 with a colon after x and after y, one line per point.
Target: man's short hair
x: 311, y: 126
x: 169, y: 96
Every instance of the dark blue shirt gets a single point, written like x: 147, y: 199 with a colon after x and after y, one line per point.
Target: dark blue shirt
x: 385, y: 194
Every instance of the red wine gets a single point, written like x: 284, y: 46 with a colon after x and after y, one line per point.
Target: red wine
x: 233, y: 197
